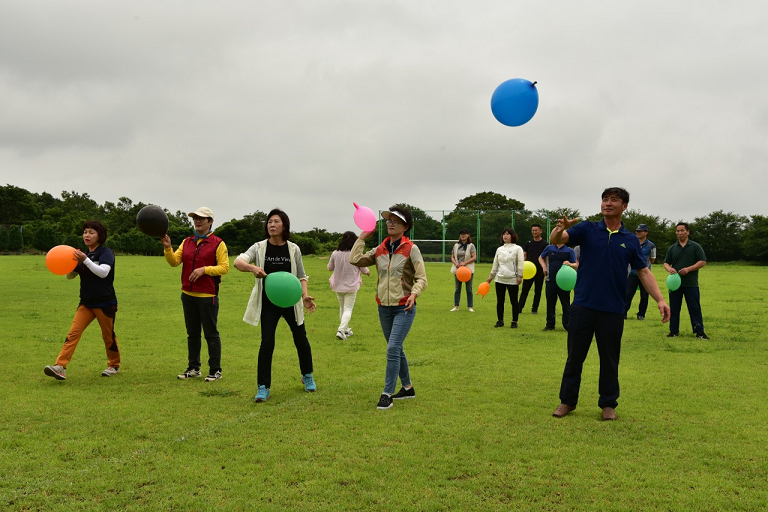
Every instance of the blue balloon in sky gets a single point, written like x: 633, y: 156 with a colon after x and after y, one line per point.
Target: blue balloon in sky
x: 515, y: 101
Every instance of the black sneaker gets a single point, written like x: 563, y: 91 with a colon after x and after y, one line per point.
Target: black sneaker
x: 702, y: 336
x: 385, y: 402
x: 499, y: 324
x: 641, y: 317
x: 672, y: 335
x: 548, y: 328
x: 404, y: 394
x: 513, y: 325
x: 534, y: 312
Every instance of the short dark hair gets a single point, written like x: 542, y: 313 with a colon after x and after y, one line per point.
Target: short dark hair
x: 535, y: 225
x: 98, y: 227
x: 684, y: 224
x: 465, y: 231
x: 406, y: 213
x: 347, y: 241
x: 511, y: 233
x: 616, y: 191
x: 283, y: 217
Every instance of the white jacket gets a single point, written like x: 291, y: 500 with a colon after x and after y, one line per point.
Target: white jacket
x: 508, y: 264
x: 255, y: 256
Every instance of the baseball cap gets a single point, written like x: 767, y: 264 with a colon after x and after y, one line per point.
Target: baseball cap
x: 203, y: 211
x: 642, y: 227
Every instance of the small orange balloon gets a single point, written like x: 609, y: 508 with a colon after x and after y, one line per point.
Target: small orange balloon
x: 463, y: 274
x: 483, y: 289
x: 61, y: 260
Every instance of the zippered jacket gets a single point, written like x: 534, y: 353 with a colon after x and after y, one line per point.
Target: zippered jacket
x: 401, y: 273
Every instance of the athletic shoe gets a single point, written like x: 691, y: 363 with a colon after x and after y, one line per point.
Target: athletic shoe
x: 534, y: 312
x: 191, y: 373
x: 499, y: 324
x: 385, y: 402
x: 309, y: 383
x: 404, y: 394
x: 471, y: 310
x: 513, y: 325
x: 56, y: 371
x: 110, y: 371
x: 262, y: 394
x: 641, y: 317
x: 348, y: 333
x: 340, y: 335
x: 213, y: 376
x: 702, y: 336
x: 672, y: 335
x: 548, y: 328
x: 455, y: 308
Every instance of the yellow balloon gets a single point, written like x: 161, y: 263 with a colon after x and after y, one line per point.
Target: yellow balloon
x: 529, y: 270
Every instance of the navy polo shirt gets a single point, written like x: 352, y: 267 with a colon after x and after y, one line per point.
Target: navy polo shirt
x: 602, y: 275
x: 97, y: 292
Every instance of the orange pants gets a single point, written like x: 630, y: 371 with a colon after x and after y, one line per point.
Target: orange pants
x: 83, y: 318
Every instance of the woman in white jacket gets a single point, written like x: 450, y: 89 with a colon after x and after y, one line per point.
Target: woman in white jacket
x: 508, y: 271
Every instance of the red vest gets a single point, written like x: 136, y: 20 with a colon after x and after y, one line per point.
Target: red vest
x: 201, y: 255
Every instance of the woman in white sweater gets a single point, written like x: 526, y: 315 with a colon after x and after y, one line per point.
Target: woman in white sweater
x: 508, y: 271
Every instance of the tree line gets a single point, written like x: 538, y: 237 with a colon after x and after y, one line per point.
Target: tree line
x: 32, y: 222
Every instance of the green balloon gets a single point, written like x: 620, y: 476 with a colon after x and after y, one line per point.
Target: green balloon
x: 566, y: 278
x: 673, y: 282
x: 283, y: 289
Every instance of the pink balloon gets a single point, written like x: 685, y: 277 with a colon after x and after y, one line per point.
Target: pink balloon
x: 364, y: 218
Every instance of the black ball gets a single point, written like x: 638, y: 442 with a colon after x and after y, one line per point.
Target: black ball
x: 152, y: 221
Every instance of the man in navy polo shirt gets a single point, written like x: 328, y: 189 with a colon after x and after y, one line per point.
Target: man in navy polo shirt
x: 633, y: 282
x: 607, y: 247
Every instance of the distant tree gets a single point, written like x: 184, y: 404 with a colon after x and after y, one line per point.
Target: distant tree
x: 720, y: 234
x: 755, y: 239
x: 15, y: 239
x: 17, y: 205
x: 3, y: 239
x: 240, y: 234
x: 486, y: 201
x: 44, y: 238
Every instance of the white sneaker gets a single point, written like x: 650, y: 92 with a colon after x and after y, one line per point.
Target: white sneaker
x: 348, y: 333
x: 110, y: 371
x: 455, y: 308
x: 56, y: 371
x: 213, y: 376
x: 340, y: 335
x: 471, y: 310
x: 191, y: 373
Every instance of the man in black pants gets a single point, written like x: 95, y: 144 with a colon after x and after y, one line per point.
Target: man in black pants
x: 532, y: 250
x: 607, y: 247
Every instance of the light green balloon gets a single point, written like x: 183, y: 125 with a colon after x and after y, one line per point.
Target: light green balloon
x: 673, y: 282
x: 283, y: 289
x: 566, y: 278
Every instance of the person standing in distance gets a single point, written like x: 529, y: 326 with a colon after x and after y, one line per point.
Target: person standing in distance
x: 204, y: 259
x: 649, y: 251
x: 685, y: 258
x: 531, y: 251
x: 552, y: 260
x: 463, y: 254
x: 607, y: 247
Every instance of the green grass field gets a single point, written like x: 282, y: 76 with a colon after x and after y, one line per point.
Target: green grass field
x: 691, y: 433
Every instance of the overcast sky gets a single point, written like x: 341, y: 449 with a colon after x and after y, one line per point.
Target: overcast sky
x: 311, y: 105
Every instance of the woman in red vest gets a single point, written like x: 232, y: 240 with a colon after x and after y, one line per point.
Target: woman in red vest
x: 204, y: 260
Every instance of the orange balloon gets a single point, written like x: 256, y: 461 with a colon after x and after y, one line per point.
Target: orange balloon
x: 61, y: 260
x: 463, y: 274
x: 483, y: 289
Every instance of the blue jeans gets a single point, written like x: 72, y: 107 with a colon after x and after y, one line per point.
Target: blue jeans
x: 691, y: 294
x: 396, y: 322
x: 457, y: 292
